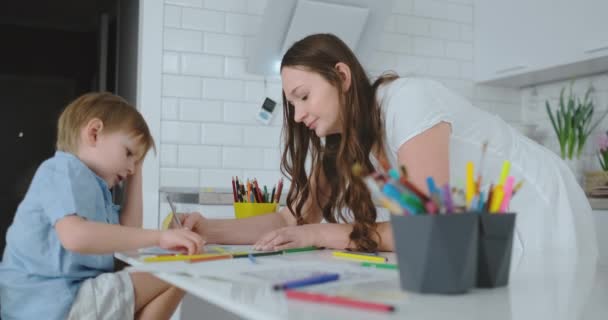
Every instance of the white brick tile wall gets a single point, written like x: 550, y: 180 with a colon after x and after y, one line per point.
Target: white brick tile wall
x: 194, y: 156
x: 186, y: 3
x: 227, y: 5
x: 210, y: 101
x: 202, y: 65
x: 169, y: 109
x: 182, y: 40
x: 171, y: 62
x: 200, y: 110
x: 205, y: 20
x: 173, y: 16
x: 180, y: 132
x: 222, y: 134
x: 243, y: 158
x: 242, y: 24
x: 179, y: 86
x: 224, y: 44
x: 176, y: 177
x: 224, y: 89
x: 168, y: 155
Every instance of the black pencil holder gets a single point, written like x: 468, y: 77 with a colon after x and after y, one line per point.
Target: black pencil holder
x: 436, y: 253
x: 494, y: 249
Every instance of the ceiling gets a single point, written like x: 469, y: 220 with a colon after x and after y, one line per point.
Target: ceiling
x: 74, y: 15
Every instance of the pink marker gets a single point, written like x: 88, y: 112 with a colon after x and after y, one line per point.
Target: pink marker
x: 508, y: 192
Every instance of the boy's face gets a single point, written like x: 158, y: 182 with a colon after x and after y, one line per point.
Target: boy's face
x: 113, y: 156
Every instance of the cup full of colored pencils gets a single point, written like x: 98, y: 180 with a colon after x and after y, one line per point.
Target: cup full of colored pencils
x: 253, y: 199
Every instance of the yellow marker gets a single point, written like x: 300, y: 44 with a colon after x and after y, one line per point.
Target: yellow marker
x: 470, y: 184
x: 181, y: 257
x: 358, y: 256
x: 506, y: 165
x: 497, y: 196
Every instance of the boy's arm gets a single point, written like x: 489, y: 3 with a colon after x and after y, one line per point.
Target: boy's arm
x: 80, y: 235
x: 131, y: 214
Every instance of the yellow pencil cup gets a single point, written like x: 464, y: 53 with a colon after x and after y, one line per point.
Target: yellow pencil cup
x: 249, y: 209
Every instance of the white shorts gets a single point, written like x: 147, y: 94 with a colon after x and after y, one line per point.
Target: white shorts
x: 107, y: 296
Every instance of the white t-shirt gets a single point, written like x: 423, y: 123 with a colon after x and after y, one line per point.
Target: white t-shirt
x: 552, y: 210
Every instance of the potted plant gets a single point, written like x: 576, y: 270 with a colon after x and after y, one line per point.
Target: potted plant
x: 596, y: 182
x: 573, y: 124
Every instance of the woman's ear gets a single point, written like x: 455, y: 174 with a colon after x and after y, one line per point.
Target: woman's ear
x: 90, y: 132
x: 344, y: 72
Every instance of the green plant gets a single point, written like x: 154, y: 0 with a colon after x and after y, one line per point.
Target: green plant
x: 572, y: 122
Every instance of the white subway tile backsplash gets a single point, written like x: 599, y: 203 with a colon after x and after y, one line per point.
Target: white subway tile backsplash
x: 383, y: 61
x: 445, y: 30
x: 224, y: 89
x: 182, y: 40
x: 243, y: 158
x: 509, y: 112
x: 227, y: 5
x: 466, y: 32
x: 395, y: 43
x: 403, y: 6
x: 466, y: 70
x: 428, y: 47
x: 200, y: 110
x: 169, y: 109
x: 256, y: 6
x: 237, y: 68
x: 240, y: 112
x: 254, y: 91
x: 444, y: 10
x: 272, y: 158
x: 222, y: 134
x: 190, y: 156
x: 412, y: 65
x: 262, y: 136
x: 498, y: 94
x: 181, y: 86
x: 180, y: 132
x: 202, y: 64
x: 459, y: 50
x: 391, y: 24
x: 203, y: 20
x: 414, y: 26
x: 168, y: 155
x: 242, y: 24
x: 173, y: 16
x: 444, y: 68
x: 177, y: 177
x: 186, y: 3
x: 218, y: 178
x: 171, y: 62
x: 224, y: 44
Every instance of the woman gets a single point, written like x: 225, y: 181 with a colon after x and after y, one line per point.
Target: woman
x: 335, y: 117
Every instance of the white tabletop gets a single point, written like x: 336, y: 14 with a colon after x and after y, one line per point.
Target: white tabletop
x: 549, y: 286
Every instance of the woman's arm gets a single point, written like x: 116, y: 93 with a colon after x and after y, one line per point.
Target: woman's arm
x: 132, y: 210
x: 428, y: 155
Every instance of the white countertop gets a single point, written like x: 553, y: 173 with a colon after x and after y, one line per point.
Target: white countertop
x: 551, y: 286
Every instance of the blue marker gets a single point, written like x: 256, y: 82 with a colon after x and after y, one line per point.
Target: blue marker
x: 317, y: 279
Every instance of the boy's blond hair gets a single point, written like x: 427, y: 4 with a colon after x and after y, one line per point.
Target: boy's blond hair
x: 115, y: 113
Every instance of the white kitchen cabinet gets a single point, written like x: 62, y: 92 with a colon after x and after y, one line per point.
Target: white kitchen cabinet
x: 520, y: 43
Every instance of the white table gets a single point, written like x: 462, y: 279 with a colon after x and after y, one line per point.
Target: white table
x: 551, y: 286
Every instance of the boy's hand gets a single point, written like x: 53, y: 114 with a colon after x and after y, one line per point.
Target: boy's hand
x: 181, y: 240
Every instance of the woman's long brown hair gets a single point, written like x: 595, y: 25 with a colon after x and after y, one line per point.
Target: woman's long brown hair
x: 362, y: 132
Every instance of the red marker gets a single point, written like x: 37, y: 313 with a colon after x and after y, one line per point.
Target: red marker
x: 341, y: 301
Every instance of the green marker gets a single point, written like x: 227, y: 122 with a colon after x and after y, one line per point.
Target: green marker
x: 303, y: 249
x: 380, y: 265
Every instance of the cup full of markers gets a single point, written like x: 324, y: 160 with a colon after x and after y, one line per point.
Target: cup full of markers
x: 253, y: 199
x: 447, y: 239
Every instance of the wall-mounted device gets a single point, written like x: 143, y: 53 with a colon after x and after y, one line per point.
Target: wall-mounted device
x: 265, y: 113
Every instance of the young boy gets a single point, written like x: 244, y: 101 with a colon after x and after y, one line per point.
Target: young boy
x: 58, y: 259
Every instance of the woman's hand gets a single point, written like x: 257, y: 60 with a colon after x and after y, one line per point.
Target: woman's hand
x: 290, y: 237
x: 181, y: 240
x: 193, y: 221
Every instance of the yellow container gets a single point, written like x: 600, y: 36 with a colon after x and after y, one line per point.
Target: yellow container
x: 249, y: 209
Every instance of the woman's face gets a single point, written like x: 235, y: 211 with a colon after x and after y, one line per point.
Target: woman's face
x: 314, y: 99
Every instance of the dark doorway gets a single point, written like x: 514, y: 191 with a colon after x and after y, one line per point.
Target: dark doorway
x: 53, y: 51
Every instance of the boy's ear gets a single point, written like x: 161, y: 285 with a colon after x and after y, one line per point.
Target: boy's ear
x: 344, y: 71
x: 91, y: 131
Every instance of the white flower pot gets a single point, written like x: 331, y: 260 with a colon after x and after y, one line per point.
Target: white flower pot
x: 577, y: 167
